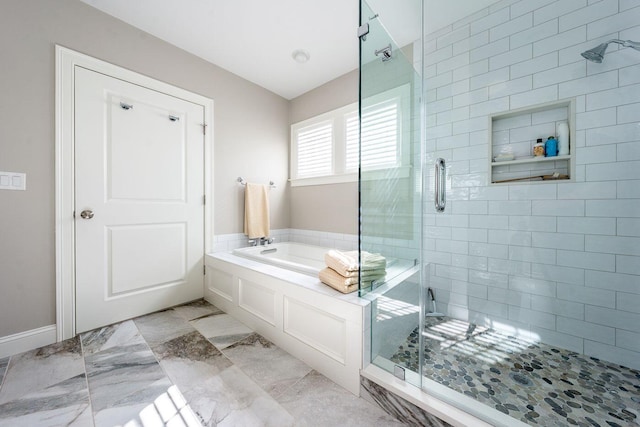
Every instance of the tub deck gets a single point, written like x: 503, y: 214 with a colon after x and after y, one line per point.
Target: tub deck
x: 299, y: 257
x: 307, y: 281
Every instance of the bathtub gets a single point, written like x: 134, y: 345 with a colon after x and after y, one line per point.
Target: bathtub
x: 305, y: 259
x: 275, y: 291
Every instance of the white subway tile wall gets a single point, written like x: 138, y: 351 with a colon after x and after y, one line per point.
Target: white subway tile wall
x: 557, y: 261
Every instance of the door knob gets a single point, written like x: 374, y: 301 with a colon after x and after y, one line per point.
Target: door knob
x: 86, y: 214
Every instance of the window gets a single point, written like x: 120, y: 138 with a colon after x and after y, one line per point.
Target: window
x: 352, y: 126
x: 314, y: 149
x: 380, y: 135
x: 324, y: 149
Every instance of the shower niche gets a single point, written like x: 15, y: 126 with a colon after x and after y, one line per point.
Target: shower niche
x: 512, y: 135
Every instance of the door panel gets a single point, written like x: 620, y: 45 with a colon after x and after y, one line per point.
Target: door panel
x: 140, y: 170
x: 144, y: 139
x: 160, y: 251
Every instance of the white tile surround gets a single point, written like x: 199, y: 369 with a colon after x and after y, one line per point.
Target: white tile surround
x: 559, y: 261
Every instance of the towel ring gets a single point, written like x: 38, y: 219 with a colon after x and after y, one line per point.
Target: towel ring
x: 243, y: 182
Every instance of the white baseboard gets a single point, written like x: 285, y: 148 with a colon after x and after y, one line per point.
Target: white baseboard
x: 27, y: 340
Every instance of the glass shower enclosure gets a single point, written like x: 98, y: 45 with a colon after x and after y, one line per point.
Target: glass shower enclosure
x: 391, y: 175
x: 513, y: 274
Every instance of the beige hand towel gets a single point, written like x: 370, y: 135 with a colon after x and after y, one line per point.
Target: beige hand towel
x: 343, y: 284
x: 256, y: 210
x: 346, y: 263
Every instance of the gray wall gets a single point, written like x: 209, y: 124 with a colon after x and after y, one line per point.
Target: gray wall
x: 251, y: 135
x: 332, y: 208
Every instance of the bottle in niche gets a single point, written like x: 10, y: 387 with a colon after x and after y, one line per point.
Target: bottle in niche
x: 538, y: 148
x: 551, y: 147
x: 562, y: 130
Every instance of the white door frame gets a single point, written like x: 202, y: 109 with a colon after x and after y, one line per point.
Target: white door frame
x: 66, y: 61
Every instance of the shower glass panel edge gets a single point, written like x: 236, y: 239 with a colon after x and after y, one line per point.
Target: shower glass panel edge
x: 390, y: 184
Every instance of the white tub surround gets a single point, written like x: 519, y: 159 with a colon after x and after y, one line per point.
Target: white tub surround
x: 311, y: 321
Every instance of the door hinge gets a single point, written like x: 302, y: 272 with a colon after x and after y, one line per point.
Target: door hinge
x: 74, y: 214
x: 204, y: 199
x: 363, y: 30
x: 204, y: 270
x: 204, y: 128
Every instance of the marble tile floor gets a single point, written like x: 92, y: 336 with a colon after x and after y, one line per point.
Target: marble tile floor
x: 186, y: 366
x: 533, y: 382
x: 3, y: 367
x: 401, y: 408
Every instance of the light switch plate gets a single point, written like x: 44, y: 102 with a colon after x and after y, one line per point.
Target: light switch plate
x: 13, y: 181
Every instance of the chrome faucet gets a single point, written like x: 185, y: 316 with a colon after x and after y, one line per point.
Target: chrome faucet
x: 262, y: 241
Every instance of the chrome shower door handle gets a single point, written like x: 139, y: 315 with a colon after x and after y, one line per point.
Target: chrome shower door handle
x: 441, y: 185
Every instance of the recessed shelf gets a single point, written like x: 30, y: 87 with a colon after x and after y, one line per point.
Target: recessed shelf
x: 515, y: 131
x: 524, y: 160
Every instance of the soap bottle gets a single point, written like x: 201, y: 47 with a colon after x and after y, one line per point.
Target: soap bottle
x: 563, y: 138
x: 551, y: 147
x: 538, y: 148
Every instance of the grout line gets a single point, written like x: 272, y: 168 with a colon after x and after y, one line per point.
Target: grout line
x: 196, y: 414
x: 294, y: 384
x: 223, y: 353
x: 275, y: 398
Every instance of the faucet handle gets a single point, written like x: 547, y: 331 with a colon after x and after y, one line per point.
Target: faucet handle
x: 253, y: 242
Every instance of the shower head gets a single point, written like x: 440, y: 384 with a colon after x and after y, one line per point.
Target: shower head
x: 597, y: 53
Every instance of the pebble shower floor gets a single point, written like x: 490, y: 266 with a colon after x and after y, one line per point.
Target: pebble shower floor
x: 532, y: 382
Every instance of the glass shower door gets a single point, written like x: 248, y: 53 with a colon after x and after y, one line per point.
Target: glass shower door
x: 391, y: 186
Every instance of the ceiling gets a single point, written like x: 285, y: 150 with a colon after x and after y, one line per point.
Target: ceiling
x: 255, y: 39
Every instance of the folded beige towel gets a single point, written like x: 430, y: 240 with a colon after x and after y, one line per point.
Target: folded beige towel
x: 343, y: 284
x: 366, y: 274
x: 346, y: 263
x: 256, y: 210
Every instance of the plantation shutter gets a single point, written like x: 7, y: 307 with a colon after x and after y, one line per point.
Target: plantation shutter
x: 352, y: 132
x: 380, y: 135
x: 314, y: 150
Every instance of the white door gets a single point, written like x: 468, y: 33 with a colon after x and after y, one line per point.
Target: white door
x: 139, y: 201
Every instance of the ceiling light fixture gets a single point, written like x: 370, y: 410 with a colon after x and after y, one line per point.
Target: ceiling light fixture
x: 300, y: 56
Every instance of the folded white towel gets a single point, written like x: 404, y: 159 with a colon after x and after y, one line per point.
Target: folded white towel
x: 346, y: 263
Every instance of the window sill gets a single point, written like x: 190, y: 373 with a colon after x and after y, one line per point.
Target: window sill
x: 376, y: 174
x: 325, y: 180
